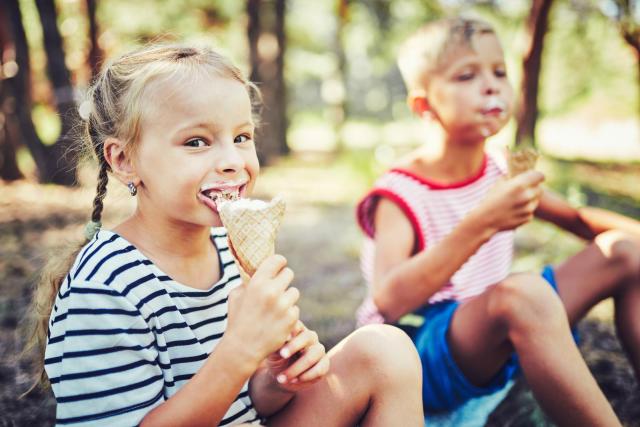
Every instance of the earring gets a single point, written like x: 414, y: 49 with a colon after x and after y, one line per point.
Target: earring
x: 133, y: 190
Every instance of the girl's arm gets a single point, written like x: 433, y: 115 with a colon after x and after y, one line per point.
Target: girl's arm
x: 207, y: 396
x: 586, y: 222
x: 403, y: 282
x: 261, y: 315
x: 266, y: 394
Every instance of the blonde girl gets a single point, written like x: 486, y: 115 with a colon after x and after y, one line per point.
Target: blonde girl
x: 149, y: 324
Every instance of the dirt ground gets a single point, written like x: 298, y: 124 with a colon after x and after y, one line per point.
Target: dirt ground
x: 320, y: 240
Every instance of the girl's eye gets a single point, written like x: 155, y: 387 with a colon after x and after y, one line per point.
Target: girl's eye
x: 500, y: 72
x: 241, y: 138
x: 196, y: 143
x: 464, y: 77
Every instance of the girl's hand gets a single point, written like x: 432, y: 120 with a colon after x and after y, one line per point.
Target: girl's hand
x: 302, y: 361
x: 511, y: 203
x: 263, y: 313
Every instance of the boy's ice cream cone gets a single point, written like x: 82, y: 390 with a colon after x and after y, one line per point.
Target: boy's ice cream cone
x: 252, y: 226
x: 521, y: 160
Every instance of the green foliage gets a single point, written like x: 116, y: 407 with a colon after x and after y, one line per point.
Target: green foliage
x: 587, y: 66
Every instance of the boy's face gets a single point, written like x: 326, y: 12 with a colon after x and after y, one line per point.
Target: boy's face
x: 470, y: 94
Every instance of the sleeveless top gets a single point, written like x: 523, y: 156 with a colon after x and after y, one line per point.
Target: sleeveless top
x: 434, y: 210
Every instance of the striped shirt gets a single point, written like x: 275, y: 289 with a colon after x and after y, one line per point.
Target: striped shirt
x: 124, y: 336
x: 435, y: 210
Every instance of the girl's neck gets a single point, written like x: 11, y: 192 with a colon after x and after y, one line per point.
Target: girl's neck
x: 161, y: 238
x: 184, y: 253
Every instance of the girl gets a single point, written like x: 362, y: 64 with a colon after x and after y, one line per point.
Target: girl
x: 150, y: 324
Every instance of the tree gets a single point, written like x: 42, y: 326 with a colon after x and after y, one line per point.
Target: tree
x: 626, y: 14
x: 61, y: 168
x: 53, y: 162
x: 338, y: 105
x: 21, y: 90
x: 9, y: 170
x: 527, y: 107
x: 94, y: 50
x: 267, y: 42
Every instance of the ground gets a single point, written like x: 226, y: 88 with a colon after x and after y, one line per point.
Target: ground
x: 321, y: 241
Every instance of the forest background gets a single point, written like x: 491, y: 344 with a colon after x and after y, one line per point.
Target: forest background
x: 335, y: 117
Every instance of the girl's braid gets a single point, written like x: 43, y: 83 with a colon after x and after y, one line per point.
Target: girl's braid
x: 101, y: 191
x: 103, y: 177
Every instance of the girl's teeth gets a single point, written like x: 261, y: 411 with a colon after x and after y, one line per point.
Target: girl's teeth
x: 224, y: 196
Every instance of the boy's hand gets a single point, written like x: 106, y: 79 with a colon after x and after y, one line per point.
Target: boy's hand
x: 302, y: 361
x: 263, y: 313
x: 511, y: 203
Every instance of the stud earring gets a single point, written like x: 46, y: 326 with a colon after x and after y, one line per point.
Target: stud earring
x: 133, y: 190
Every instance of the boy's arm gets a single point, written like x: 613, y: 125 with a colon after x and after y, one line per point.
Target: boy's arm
x: 586, y: 222
x: 403, y: 282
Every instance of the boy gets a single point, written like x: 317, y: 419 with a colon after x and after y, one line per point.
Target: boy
x: 439, y: 243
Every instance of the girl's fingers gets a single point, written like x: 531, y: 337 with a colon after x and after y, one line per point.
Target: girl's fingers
x: 300, y: 341
x: 309, y: 358
x: 299, y: 327
x: 283, y: 279
x: 269, y: 269
x: 290, y: 297
x: 316, y: 372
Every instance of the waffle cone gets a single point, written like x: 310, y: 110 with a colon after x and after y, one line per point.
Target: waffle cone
x: 252, y: 226
x: 521, y: 160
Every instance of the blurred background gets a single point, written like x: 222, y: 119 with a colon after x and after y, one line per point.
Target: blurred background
x: 335, y: 117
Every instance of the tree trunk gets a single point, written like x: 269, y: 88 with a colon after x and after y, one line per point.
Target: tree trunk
x: 62, y: 168
x: 527, y: 108
x: 339, y: 105
x: 266, y: 56
x: 21, y: 88
x: 9, y: 170
x: 631, y: 35
x: 94, y: 50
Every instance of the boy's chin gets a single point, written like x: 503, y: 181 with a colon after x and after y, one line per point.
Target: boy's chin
x: 484, y: 132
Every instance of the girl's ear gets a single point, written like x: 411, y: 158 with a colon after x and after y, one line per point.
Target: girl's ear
x: 418, y: 104
x: 120, y: 161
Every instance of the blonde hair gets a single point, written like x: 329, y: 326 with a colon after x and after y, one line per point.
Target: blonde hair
x: 117, y: 99
x: 428, y: 49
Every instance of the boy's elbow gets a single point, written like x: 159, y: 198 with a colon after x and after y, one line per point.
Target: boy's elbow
x: 386, y: 302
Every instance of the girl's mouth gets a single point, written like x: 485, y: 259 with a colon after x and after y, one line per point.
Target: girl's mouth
x: 213, y: 196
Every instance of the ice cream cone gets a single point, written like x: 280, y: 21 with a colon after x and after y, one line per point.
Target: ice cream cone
x: 252, y: 226
x: 521, y: 160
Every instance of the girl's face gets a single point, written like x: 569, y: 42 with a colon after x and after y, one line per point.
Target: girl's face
x: 471, y: 96
x: 196, y: 142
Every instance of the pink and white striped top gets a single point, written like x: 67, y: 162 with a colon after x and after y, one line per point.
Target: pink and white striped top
x: 435, y: 210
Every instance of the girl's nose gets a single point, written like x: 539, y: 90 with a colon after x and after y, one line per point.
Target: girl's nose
x: 228, y: 159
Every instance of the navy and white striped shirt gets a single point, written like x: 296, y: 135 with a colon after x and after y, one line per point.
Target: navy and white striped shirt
x: 124, y: 336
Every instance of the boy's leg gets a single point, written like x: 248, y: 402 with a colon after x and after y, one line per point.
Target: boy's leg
x: 374, y: 380
x: 524, y: 313
x: 609, y: 267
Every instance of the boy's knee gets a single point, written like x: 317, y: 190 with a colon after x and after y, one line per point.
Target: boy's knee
x: 383, y: 348
x: 622, y: 251
x: 526, y: 301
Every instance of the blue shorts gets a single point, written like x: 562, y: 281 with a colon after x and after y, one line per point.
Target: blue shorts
x: 444, y: 386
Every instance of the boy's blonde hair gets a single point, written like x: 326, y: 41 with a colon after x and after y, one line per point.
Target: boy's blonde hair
x: 118, y: 98
x: 427, y: 49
